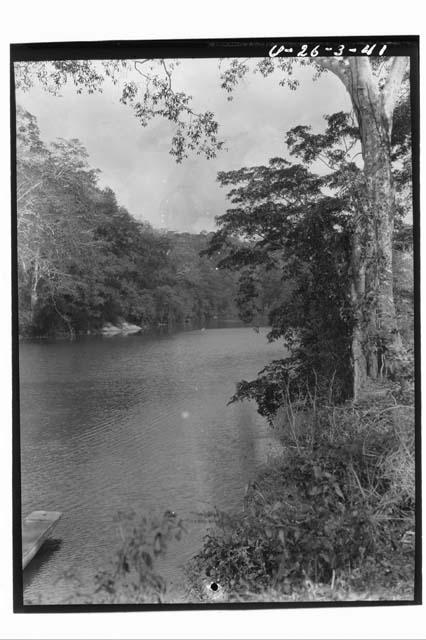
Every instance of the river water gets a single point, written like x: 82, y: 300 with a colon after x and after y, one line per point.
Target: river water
x: 134, y: 422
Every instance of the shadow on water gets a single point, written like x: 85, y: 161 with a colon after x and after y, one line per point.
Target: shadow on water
x: 46, y: 554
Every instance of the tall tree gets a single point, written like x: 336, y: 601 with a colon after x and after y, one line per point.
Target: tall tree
x: 373, y: 85
x: 374, y: 102
x: 281, y: 219
x: 54, y: 203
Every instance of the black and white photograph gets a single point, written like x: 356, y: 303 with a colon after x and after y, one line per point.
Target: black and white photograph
x: 216, y: 323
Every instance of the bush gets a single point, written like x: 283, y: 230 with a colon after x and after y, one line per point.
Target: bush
x: 132, y: 574
x: 333, y: 509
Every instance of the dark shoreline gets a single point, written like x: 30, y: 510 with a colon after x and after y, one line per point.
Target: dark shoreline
x: 148, y: 332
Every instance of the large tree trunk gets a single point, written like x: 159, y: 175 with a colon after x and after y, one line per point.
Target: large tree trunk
x: 358, y: 293
x: 377, y: 346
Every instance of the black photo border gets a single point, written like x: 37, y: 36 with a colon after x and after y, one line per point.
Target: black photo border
x: 208, y: 48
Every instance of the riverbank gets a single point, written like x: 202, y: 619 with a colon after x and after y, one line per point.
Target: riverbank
x: 124, y: 328
x: 330, y: 519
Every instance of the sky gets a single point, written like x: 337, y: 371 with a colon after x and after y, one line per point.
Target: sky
x: 135, y: 161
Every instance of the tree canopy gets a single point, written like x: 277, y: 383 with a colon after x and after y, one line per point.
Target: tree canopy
x: 375, y: 86
x: 288, y: 219
x: 83, y: 260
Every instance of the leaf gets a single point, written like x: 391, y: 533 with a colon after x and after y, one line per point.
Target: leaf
x: 338, y: 490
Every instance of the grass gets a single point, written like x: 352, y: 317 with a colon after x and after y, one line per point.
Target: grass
x: 331, y: 519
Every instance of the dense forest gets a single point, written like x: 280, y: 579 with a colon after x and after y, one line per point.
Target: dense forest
x: 327, y: 257
x: 83, y: 260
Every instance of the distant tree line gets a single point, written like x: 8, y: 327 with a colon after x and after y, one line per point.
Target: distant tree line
x: 83, y: 260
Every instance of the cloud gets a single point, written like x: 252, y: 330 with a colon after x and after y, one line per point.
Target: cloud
x: 135, y: 162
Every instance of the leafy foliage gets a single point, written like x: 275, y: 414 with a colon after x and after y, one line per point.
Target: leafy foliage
x: 83, y: 260
x: 287, y: 221
x: 324, y: 512
x: 298, y: 226
x: 133, y: 575
x: 148, y: 89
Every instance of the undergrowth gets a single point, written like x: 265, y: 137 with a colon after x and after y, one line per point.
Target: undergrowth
x: 330, y: 519
x: 132, y: 574
x: 333, y: 516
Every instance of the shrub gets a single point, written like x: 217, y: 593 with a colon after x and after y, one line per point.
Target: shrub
x: 133, y: 575
x: 333, y: 509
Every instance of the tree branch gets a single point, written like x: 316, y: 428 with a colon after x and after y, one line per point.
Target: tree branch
x: 169, y: 75
x: 393, y: 84
x: 34, y: 186
x: 336, y: 66
x: 135, y: 63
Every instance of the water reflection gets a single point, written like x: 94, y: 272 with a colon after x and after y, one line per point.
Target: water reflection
x: 138, y: 423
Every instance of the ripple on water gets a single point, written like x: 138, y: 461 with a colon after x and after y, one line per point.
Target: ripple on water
x: 139, y: 423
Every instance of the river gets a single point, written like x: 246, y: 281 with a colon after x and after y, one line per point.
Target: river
x: 134, y: 422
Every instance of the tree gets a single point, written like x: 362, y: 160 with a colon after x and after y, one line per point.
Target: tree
x: 54, y: 206
x: 337, y: 148
x: 149, y: 92
x: 283, y: 221
x: 83, y: 260
x: 286, y: 218
x: 373, y: 86
x: 373, y: 232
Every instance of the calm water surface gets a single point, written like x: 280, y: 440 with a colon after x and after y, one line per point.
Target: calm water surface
x: 134, y: 422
